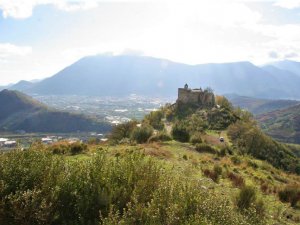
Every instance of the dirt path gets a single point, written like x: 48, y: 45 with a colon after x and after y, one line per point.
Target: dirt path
x: 168, y: 127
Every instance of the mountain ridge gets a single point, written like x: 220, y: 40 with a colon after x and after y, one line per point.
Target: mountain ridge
x: 103, y: 75
x: 258, y: 105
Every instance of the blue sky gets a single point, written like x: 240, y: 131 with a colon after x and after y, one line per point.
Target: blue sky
x: 40, y: 37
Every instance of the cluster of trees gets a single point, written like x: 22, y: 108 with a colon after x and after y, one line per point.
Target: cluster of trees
x: 141, y: 132
x: 189, y: 123
x: 249, y: 139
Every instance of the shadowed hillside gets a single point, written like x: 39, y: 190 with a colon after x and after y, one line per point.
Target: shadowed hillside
x: 258, y: 105
x: 282, y: 124
x: 21, y: 112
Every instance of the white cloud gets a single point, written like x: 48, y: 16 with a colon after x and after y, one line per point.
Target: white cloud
x: 8, y: 50
x: 70, y: 7
x: 214, y: 12
x: 21, y: 9
x: 289, y: 4
x: 198, y: 31
x: 188, y: 31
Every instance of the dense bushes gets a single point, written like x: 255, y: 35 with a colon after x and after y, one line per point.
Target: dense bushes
x: 220, y: 119
x: 246, y: 197
x: 248, y: 203
x: 180, y: 132
x: 62, y: 148
x: 41, y: 188
x: 196, y: 138
x: 205, y: 148
x: 237, y: 180
x: 250, y: 140
x: 291, y: 194
x: 142, y: 134
x: 122, y: 131
x: 154, y: 119
x: 214, y: 174
x: 223, y: 102
x: 160, y: 136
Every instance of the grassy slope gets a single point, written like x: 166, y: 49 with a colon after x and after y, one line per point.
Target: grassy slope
x: 183, y: 157
x: 282, y: 124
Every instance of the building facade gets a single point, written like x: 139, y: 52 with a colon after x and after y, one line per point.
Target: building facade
x: 196, y: 97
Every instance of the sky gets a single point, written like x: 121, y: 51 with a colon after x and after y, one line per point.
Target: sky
x: 38, y: 38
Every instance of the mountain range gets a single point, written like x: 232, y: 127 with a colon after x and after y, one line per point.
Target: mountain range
x: 21, y: 112
x: 106, y: 75
x: 259, y: 106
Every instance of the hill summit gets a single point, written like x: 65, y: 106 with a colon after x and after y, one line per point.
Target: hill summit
x: 196, y: 97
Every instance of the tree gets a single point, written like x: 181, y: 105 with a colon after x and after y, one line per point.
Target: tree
x: 223, y: 102
x: 180, y: 132
x: 155, y: 120
x: 122, y: 131
x: 142, y: 134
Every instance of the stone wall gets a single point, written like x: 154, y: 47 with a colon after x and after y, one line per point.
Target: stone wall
x: 195, y: 97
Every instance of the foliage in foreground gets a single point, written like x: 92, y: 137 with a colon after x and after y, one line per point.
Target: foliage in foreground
x: 41, y: 188
x: 291, y: 194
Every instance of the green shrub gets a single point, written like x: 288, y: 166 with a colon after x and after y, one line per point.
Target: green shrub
x: 62, y: 148
x: 142, y: 134
x: 180, y: 132
x: 214, y: 174
x: 76, y: 148
x: 198, y: 122
x: 237, y: 180
x: 225, y: 150
x: 205, y: 148
x: 59, y: 148
x: 122, y: 131
x: 260, y: 208
x: 154, y: 119
x: 291, y: 194
x: 218, y: 170
x: 246, y: 197
x: 94, y: 141
x: 223, y: 102
x: 196, y: 138
x: 161, y: 136
x: 236, y: 160
x: 252, y: 164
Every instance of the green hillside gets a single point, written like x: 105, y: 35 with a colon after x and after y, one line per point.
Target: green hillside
x: 282, y: 124
x: 170, y: 168
x: 21, y: 112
